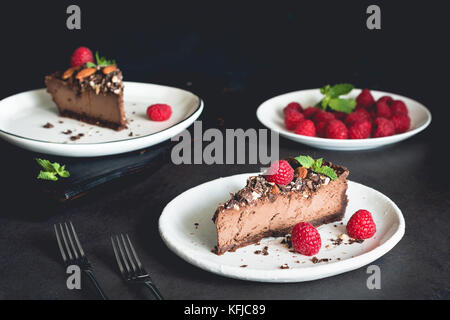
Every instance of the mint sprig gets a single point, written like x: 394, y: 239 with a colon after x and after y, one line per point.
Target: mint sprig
x: 51, y: 171
x: 332, y: 100
x: 317, y: 166
x: 102, y: 61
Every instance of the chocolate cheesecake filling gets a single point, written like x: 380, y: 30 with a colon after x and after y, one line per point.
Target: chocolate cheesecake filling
x: 264, y: 209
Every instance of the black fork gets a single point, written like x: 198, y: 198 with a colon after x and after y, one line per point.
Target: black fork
x: 73, y: 254
x: 129, y: 264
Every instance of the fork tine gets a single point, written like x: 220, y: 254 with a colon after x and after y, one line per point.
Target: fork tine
x: 123, y: 255
x: 70, y: 241
x: 117, y: 256
x: 134, y: 253
x: 128, y: 253
x: 61, y: 249
x: 77, y: 240
x: 65, y: 242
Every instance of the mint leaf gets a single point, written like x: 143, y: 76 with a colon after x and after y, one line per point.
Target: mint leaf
x: 317, y: 164
x: 340, y: 89
x: 91, y: 65
x: 305, y: 161
x: 51, y: 170
x: 325, y: 90
x: 342, y: 105
x: 46, y: 165
x: 329, y: 172
x: 63, y: 172
x: 102, y: 61
x: 45, y: 175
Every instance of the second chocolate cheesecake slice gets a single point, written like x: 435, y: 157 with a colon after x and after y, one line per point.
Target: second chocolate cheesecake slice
x: 264, y: 209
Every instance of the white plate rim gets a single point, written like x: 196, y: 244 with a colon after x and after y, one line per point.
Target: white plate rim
x: 198, y: 110
x: 287, y: 275
x: 345, y: 142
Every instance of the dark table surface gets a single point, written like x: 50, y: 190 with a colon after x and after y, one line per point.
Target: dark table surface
x: 234, y: 58
x: 406, y: 172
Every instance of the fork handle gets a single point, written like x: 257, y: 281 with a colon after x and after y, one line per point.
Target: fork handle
x: 154, y: 290
x: 91, y: 276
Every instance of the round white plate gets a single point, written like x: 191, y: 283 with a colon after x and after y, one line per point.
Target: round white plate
x: 193, y: 243
x: 23, y: 116
x: 270, y: 114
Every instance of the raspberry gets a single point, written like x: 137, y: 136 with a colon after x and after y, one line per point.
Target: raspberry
x: 365, y: 99
x: 361, y: 225
x: 159, y: 112
x: 322, y: 115
x: 292, y: 118
x: 360, y: 130
x: 399, y: 107
x: 280, y: 173
x: 401, y: 122
x: 386, y: 99
x: 81, y: 56
x: 339, y: 115
x: 293, y: 106
x: 358, y: 115
x: 306, y: 128
x: 383, y: 128
x: 306, y: 239
x: 320, y: 129
x: 383, y: 110
x: 310, y: 112
x: 336, y: 129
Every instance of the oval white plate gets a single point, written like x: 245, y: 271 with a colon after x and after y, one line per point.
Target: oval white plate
x: 270, y: 114
x: 23, y: 116
x: 193, y: 243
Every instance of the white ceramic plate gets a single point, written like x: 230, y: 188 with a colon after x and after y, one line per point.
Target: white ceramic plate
x: 193, y: 243
x: 23, y: 116
x: 270, y: 114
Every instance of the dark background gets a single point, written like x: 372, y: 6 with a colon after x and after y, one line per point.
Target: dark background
x: 234, y: 55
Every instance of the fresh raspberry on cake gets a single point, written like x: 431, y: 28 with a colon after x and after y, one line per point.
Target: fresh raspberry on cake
x: 401, y: 122
x: 280, y: 173
x: 310, y: 112
x: 383, y: 128
x: 293, y: 106
x: 292, y: 118
x: 159, y: 112
x: 383, y: 110
x: 358, y: 115
x: 306, y: 128
x: 306, y: 239
x: 365, y: 99
x: 361, y: 225
x: 322, y: 115
x: 336, y: 129
x: 399, y: 107
x: 386, y: 99
x: 81, y: 56
x: 360, y: 130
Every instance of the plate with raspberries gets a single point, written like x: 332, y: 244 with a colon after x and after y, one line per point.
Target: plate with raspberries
x: 342, y: 118
x: 153, y: 114
x: 372, y: 226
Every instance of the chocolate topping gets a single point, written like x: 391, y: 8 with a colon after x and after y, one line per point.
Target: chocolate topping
x: 259, y: 188
x: 99, y: 82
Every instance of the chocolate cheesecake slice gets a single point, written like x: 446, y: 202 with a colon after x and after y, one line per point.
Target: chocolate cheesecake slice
x: 263, y: 209
x: 91, y: 93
